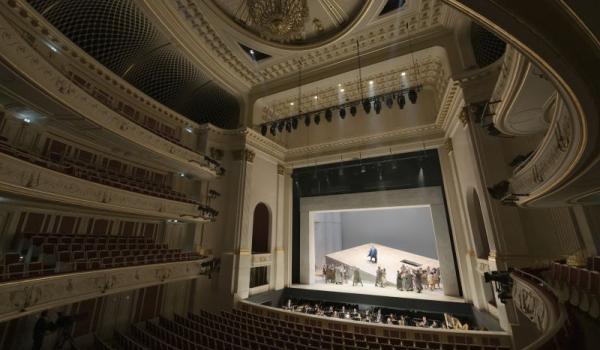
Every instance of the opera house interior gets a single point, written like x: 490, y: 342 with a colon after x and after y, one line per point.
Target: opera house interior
x: 299, y: 174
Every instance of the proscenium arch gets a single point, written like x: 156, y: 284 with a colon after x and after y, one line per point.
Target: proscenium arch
x: 261, y: 229
x: 475, y: 213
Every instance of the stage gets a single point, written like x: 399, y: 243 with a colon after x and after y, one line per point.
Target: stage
x: 370, y: 289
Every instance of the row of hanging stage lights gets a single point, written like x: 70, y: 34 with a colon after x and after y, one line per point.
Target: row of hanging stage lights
x: 291, y: 123
x: 375, y: 102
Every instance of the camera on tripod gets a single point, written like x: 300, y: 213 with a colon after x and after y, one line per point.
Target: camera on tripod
x: 502, y: 283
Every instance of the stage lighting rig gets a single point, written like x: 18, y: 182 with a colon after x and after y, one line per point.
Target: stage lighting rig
x: 377, y: 106
x: 343, y: 113
x: 353, y: 110
x: 307, y: 120
x: 367, y: 106
x: 412, y: 96
x: 328, y: 115
x: 294, y: 123
x: 317, y: 119
x: 273, y: 129
x: 263, y: 129
x: 389, y: 101
x: 401, y: 101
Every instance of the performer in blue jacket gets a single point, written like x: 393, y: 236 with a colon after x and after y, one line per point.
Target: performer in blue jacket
x: 372, y: 254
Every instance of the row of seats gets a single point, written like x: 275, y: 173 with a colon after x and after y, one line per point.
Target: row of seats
x: 62, y: 254
x: 147, y: 122
x: 585, y: 279
x: 93, y: 175
x: 241, y: 330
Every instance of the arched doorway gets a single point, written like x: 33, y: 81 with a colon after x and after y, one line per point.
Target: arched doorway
x: 482, y: 246
x: 260, y: 229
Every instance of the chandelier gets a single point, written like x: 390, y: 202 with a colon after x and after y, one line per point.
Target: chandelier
x: 282, y: 20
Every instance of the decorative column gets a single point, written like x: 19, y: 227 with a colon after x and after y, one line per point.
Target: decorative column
x: 278, y: 262
x: 242, y: 217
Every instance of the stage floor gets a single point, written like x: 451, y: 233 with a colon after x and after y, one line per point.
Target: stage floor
x: 370, y: 289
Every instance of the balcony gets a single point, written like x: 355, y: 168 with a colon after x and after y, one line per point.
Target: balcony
x: 24, y: 297
x: 24, y: 178
x: 47, y: 72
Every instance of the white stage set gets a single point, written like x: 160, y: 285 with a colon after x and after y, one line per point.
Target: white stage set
x: 406, y: 226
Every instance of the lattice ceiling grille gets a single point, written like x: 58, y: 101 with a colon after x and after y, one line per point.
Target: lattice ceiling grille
x: 118, y: 35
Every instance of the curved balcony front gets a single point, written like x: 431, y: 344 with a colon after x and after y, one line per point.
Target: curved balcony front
x: 24, y: 178
x: 535, y: 300
x: 38, y: 69
x: 23, y: 297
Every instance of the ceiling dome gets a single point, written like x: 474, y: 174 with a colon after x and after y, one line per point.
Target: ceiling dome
x: 293, y: 22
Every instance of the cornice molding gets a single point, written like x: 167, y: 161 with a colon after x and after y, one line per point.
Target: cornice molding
x: 386, y: 32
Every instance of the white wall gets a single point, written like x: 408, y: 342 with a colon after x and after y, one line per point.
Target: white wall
x: 328, y: 235
x: 409, y: 229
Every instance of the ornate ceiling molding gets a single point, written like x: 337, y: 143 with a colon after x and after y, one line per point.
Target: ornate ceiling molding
x: 431, y: 15
x: 429, y: 72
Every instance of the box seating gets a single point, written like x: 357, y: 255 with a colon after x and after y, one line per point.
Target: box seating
x: 97, y: 174
x: 586, y: 279
x: 56, y: 253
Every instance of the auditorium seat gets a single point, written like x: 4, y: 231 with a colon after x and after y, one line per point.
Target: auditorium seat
x: 242, y: 330
x: 62, y: 253
x: 99, y: 175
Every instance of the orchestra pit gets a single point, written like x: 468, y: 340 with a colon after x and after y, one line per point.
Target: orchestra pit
x: 299, y: 174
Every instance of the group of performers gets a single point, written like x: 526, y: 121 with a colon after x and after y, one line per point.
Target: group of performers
x: 407, y: 279
x: 414, y: 279
x: 372, y: 315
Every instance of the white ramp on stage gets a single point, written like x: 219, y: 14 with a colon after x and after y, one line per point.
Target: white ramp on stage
x: 388, y: 258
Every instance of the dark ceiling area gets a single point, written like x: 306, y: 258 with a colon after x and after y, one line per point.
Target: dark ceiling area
x: 407, y: 170
x: 118, y: 35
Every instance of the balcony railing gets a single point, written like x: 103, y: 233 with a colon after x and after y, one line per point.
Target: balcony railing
x: 536, y: 300
x: 552, y: 158
x: 24, y: 297
x: 22, y: 177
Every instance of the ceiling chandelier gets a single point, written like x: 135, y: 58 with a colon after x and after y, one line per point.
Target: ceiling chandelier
x: 278, y: 19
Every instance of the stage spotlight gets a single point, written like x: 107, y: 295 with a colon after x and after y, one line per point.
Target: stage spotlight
x: 389, y: 101
x: 412, y: 96
x: 401, y: 101
x: 317, y: 119
x: 377, y: 106
x: 342, y: 112
x: 363, y: 169
x: 328, y: 115
x: 353, y: 110
x: 367, y: 106
x: 273, y: 129
x: 288, y: 126
x: 307, y: 120
x: 295, y: 123
x: 280, y: 125
x: 263, y: 129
